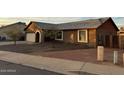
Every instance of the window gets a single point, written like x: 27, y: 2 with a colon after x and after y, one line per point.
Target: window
x: 59, y: 35
x: 82, y: 36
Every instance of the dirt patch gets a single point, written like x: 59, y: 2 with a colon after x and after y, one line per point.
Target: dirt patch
x: 64, y: 51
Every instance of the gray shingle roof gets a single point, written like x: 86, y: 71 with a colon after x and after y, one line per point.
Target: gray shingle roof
x: 91, y: 23
x: 47, y: 26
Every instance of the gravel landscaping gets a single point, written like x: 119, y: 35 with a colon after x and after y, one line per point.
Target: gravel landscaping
x: 64, y: 51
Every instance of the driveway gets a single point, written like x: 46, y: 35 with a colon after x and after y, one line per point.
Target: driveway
x: 85, y: 55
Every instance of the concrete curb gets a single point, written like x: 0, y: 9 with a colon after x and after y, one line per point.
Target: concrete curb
x: 62, y: 66
x: 51, y: 69
x: 102, y: 69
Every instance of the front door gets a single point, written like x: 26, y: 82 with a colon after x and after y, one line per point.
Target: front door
x: 37, y: 37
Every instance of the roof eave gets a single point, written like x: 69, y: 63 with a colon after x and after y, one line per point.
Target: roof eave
x: 28, y: 26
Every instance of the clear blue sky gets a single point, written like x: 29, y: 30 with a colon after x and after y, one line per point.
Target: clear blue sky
x: 6, y: 21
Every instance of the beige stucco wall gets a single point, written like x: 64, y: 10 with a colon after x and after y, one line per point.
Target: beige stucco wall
x: 92, y: 37
x: 70, y: 36
x: 30, y: 37
x: 121, y: 39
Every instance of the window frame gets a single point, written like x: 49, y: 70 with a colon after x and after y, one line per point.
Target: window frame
x: 86, y: 33
x: 61, y: 34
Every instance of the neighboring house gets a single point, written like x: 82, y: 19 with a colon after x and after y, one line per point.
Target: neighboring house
x: 92, y: 32
x: 8, y: 28
x: 121, y: 37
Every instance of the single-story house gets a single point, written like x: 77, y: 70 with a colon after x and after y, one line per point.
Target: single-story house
x: 19, y: 27
x: 93, y: 32
x: 121, y: 38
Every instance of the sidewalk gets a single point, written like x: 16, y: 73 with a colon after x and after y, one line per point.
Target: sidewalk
x: 59, y: 65
x: 11, y: 42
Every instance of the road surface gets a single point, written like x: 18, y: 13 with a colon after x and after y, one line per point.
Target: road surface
x: 7, y: 68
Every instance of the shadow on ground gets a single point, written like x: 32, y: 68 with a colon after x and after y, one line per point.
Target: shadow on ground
x: 82, y: 73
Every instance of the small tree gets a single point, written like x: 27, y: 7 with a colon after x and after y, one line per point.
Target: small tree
x: 14, y: 34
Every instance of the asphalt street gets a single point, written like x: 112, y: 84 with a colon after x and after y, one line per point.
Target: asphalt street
x: 7, y: 68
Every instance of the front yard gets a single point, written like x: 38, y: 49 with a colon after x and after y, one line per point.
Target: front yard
x: 64, y: 51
